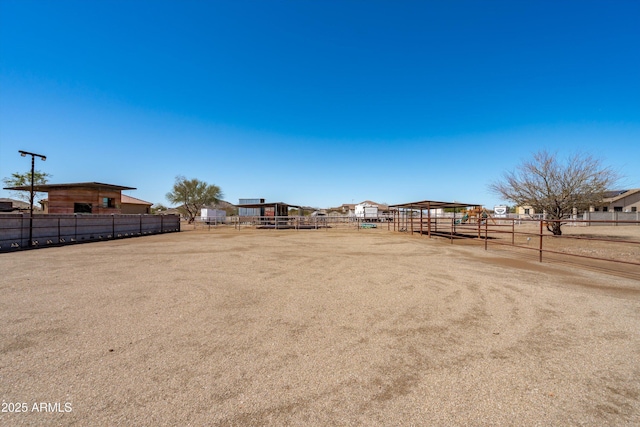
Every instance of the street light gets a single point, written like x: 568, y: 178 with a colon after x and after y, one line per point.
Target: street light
x: 33, y: 161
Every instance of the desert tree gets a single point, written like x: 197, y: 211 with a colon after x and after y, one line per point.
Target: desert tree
x: 556, y: 187
x: 191, y: 195
x: 24, y: 179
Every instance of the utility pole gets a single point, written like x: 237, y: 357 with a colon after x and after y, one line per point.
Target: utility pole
x: 33, y: 164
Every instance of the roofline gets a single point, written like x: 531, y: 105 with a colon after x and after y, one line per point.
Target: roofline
x: 44, y: 188
x: 267, y: 205
x: 627, y: 193
x: 142, y: 202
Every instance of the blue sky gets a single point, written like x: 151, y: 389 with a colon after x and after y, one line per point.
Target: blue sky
x: 316, y: 102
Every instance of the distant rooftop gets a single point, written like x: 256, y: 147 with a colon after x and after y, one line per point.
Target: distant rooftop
x: 133, y: 201
x: 614, y: 195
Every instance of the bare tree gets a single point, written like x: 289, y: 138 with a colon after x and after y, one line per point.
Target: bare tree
x: 193, y: 195
x: 557, y: 187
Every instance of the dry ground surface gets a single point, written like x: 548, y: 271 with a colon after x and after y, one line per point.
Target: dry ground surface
x: 581, y: 246
x: 314, y: 327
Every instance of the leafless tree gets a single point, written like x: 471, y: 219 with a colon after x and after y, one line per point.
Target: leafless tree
x: 557, y: 187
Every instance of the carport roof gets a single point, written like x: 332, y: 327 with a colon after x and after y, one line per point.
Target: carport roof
x: 432, y: 204
x: 266, y: 205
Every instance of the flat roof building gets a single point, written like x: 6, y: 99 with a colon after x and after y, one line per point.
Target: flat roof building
x: 83, y: 197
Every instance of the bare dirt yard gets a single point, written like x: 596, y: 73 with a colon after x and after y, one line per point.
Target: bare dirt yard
x: 312, y: 327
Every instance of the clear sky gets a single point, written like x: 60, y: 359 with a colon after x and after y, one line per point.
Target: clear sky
x: 316, y: 102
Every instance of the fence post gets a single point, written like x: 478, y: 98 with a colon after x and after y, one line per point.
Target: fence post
x: 452, y: 228
x: 486, y: 234
x: 541, y: 240
x: 513, y: 232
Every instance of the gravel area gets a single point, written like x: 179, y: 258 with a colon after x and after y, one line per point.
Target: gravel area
x: 313, y: 327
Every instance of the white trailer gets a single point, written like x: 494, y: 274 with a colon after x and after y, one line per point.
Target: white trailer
x: 213, y: 215
x: 366, y: 211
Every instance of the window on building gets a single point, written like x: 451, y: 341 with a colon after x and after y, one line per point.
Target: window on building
x: 108, y: 202
x: 605, y: 209
x: 617, y: 208
x: 634, y: 209
x: 527, y: 211
x: 82, y: 208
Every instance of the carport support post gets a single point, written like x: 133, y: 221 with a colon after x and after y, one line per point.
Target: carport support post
x: 405, y: 220
x: 429, y: 219
x: 411, y: 210
x: 421, y: 218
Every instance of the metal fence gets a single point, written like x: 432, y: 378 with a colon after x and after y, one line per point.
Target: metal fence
x: 54, y: 230
x: 589, y: 245
x: 294, y: 222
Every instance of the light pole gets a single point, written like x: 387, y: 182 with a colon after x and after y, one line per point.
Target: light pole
x: 33, y: 164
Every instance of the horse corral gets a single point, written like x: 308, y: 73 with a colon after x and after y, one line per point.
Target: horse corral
x: 335, y: 326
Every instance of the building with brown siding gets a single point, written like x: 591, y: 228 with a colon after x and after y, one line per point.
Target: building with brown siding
x: 84, y: 197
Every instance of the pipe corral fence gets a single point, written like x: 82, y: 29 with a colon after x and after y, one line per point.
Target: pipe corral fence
x: 56, y: 230
x: 291, y: 222
x: 582, y: 241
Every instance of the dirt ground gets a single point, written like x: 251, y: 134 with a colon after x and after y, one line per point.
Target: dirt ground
x: 313, y: 327
x: 594, y: 247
